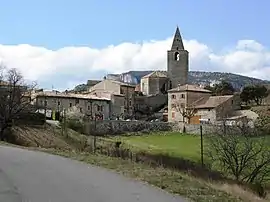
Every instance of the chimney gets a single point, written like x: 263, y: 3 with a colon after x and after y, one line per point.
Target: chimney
x: 186, y: 86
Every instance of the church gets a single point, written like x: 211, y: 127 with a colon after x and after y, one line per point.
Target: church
x: 169, y: 92
x: 177, y: 70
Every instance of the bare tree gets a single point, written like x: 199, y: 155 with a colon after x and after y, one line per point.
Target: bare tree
x: 187, y: 112
x: 73, y: 113
x: 241, y: 154
x: 15, y: 98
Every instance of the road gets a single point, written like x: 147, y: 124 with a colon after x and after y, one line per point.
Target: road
x: 30, y: 176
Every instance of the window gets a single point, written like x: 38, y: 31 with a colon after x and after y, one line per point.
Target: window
x: 99, y: 108
x: 182, y: 95
x: 70, y: 104
x: 130, y: 103
x: 121, y: 91
x: 45, y: 103
x: 173, y: 96
x: 59, y: 103
x: 81, y: 110
x: 209, y: 110
x: 176, y: 56
x: 88, y: 107
x: 77, y: 101
x: 232, y: 102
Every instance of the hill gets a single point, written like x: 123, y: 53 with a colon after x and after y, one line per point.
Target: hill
x: 194, y: 77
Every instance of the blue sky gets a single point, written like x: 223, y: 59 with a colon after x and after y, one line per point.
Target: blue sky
x: 55, y: 24
x: 98, y: 23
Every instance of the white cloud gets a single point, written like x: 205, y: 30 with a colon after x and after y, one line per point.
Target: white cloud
x: 70, y: 65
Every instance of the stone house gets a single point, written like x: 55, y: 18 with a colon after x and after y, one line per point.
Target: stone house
x: 117, y: 107
x: 199, y: 104
x: 118, y: 88
x: 154, y: 83
x: 89, y: 105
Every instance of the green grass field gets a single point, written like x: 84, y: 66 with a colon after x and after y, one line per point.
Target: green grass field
x: 172, y: 143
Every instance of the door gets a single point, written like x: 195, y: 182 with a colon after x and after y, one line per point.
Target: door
x: 195, y: 119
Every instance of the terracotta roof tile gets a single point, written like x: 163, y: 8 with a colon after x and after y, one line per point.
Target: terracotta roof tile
x: 214, y: 101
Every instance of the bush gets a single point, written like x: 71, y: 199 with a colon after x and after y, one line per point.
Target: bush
x: 76, y: 125
x: 30, y: 118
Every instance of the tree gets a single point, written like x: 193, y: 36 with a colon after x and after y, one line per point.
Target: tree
x: 187, y: 112
x: 242, y: 154
x: 73, y: 113
x: 222, y: 88
x: 15, y: 98
x: 247, y: 94
x: 254, y: 93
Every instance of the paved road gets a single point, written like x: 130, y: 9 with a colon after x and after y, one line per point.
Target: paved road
x: 28, y: 176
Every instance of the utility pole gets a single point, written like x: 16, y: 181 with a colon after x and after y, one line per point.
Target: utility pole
x: 62, y: 122
x: 65, y: 123
x: 201, y: 132
x: 95, y: 137
x: 45, y: 111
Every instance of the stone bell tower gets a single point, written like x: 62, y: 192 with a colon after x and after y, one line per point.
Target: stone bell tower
x: 177, y: 62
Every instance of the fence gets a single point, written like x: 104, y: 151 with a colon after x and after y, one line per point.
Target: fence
x: 114, y: 148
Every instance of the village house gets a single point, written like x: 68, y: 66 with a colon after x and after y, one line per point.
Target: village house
x: 90, y: 105
x: 118, y: 88
x: 154, y: 83
x: 117, y: 107
x: 199, y: 105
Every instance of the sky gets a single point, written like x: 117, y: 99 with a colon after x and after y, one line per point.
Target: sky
x: 62, y: 43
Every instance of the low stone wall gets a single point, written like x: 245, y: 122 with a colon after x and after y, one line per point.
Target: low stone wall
x: 210, y: 129
x: 193, y: 128
x: 112, y: 127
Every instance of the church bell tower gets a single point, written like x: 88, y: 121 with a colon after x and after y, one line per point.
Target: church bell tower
x: 177, y: 62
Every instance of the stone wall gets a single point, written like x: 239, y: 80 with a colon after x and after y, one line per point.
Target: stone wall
x: 194, y: 128
x: 210, y: 129
x: 113, y: 127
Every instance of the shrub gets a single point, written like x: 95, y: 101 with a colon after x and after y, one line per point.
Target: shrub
x: 75, y: 125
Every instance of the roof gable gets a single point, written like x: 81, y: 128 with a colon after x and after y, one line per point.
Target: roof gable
x: 156, y: 74
x: 189, y: 87
x: 214, y: 101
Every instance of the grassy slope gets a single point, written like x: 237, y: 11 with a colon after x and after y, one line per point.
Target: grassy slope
x: 175, y: 144
x: 168, y: 179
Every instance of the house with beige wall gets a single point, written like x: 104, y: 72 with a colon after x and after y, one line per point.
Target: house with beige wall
x: 154, y: 83
x: 90, y: 105
x: 198, y: 101
x: 118, y: 88
x: 117, y: 107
